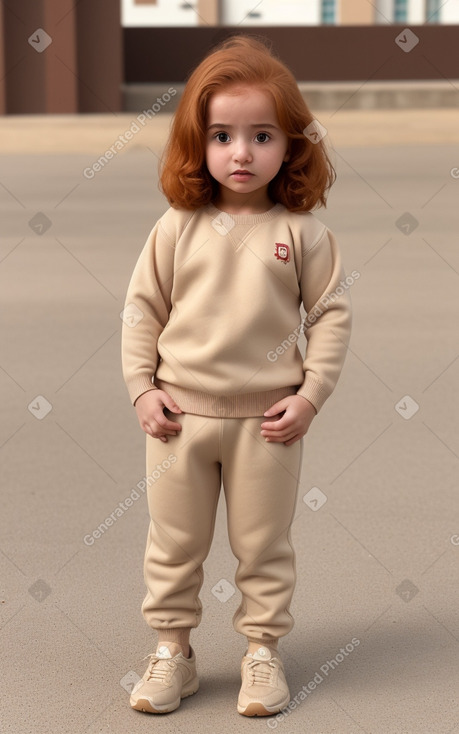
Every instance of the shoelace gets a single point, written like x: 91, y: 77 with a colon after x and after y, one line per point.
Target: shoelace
x: 257, y: 672
x: 155, y: 672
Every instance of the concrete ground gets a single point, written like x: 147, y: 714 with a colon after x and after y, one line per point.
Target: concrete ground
x: 375, y: 645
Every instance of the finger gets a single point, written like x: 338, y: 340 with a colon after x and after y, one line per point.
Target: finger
x: 293, y: 440
x: 171, y: 426
x: 164, y: 432
x: 284, y: 433
x: 171, y: 404
x: 157, y: 431
x: 166, y: 424
x: 275, y: 425
x: 278, y: 407
x: 279, y: 439
x: 292, y: 433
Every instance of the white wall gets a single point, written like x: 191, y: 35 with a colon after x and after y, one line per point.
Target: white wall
x: 271, y: 12
x: 234, y: 12
x: 416, y: 11
x: 384, y: 11
x: 449, y: 12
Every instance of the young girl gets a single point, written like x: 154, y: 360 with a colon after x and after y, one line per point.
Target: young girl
x: 211, y: 361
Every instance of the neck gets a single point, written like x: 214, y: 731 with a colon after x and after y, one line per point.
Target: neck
x: 233, y: 203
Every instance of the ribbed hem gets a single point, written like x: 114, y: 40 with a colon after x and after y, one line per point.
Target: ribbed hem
x: 224, y: 406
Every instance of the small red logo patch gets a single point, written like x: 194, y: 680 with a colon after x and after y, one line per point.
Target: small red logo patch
x: 282, y: 252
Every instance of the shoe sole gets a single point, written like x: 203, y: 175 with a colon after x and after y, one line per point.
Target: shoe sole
x: 143, y: 704
x: 257, y: 709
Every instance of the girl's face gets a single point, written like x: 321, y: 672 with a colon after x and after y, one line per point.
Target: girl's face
x: 245, y: 148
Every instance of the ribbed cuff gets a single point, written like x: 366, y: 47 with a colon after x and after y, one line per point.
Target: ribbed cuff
x: 180, y: 635
x: 313, y: 390
x: 267, y: 642
x: 139, y: 384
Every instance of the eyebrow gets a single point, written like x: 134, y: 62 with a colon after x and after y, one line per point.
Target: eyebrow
x: 229, y: 127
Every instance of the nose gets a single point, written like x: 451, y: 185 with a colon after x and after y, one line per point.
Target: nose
x: 241, y: 152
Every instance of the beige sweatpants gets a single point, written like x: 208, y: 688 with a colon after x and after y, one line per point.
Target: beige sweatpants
x: 260, y: 482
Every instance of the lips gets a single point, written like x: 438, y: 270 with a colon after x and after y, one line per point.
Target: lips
x: 241, y: 175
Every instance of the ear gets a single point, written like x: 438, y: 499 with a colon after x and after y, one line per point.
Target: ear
x: 286, y: 157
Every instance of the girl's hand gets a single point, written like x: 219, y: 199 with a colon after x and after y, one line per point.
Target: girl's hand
x: 149, y: 408
x: 295, y: 416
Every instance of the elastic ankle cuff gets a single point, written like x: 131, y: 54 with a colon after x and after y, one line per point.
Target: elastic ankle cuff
x: 181, y: 635
x: 267, y: 642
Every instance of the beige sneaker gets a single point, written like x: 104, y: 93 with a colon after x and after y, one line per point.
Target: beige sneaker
x: 166, y: 681
x: 264, y: 690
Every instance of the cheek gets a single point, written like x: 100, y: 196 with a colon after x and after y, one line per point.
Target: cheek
x: 209, y: 156
x: 273, y: 161
x: 214, y: 156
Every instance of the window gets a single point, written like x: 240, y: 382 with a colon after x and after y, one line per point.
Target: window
x: 400, y: 11
x: 433, y: 11
x: 328, y: 12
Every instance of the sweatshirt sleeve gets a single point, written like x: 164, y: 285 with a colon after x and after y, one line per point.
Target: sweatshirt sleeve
x: 146, y: 311
x: 327, y: 325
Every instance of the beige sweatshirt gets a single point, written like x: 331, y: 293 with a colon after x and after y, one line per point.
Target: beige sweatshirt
x: 212, y: 311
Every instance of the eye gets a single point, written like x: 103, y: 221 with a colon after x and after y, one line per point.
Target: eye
x: 262, y: 137
x: 222, y: 137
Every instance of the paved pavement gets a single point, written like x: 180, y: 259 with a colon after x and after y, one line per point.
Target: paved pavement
x: 93, y: 134
x: 377, y: 556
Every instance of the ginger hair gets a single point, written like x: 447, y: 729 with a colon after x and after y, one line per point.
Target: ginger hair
x: 302, y: 182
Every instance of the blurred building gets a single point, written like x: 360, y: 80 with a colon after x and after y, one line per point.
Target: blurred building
x: 286, y: 12
x: 62, y: 56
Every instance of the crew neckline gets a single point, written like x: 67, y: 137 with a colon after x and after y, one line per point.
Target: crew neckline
x: 248, y: 218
